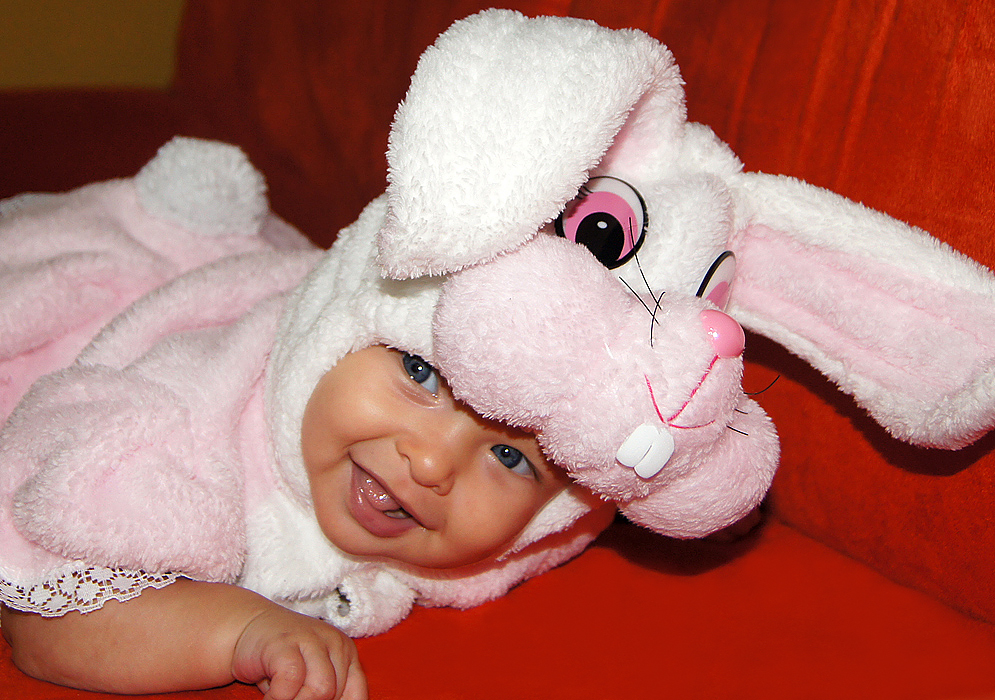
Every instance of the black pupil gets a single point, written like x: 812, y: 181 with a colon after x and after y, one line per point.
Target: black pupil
x: 603, y: 235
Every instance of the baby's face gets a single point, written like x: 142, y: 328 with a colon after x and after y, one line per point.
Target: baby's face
x: 400, y: 469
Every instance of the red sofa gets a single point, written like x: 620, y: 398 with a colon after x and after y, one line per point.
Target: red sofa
x: 873, y: 574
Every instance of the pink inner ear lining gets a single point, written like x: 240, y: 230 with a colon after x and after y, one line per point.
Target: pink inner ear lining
x: 720, y: 295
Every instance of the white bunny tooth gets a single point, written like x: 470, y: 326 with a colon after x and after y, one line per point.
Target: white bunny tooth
x: 636, y: 446
x: 656, y: 459
x: 647, y: 450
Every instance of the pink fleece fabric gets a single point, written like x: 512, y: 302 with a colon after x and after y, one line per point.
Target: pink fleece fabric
x: 146, y: 390
x: 145, y: 443
x: 70, y: 262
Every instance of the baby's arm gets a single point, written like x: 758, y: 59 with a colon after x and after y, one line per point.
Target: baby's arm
x: 188, y: 635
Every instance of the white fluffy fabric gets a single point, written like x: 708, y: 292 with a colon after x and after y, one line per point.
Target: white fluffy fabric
x: 206, y: 186
x: 505, y: 118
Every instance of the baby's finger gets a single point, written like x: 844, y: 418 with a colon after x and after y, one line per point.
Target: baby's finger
x: 323, y: 681
x: 288, y: 672
x: 333, y: 672
x: 355, y: 682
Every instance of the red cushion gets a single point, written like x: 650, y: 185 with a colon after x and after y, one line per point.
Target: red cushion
x: 782, y: 617
x: 638, y: 616
x: 52, y: 141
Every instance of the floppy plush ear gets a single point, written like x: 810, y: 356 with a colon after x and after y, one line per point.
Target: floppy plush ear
x: 897, y: 318
x: 503, y: 121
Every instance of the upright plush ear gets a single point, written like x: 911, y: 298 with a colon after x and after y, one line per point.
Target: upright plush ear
x: 504, y: 119
x: 897, y: 318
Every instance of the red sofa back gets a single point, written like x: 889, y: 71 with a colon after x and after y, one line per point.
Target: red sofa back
x: 889, y: 103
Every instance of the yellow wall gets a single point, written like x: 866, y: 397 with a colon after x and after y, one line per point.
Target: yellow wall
x: 92, y: 43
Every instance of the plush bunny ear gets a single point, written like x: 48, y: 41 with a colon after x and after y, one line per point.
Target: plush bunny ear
x: 898, y: 319
x: 503, y: 121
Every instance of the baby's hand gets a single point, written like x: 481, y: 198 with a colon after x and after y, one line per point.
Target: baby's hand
x: 294, y: 657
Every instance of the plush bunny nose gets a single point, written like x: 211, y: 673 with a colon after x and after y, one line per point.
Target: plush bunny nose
x: 726, y: 336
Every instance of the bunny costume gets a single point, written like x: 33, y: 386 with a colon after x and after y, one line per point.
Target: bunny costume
x: 149, y: 456
x: 556, y: 239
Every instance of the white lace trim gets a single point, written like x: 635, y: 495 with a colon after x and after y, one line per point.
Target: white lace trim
x: 81, y: 590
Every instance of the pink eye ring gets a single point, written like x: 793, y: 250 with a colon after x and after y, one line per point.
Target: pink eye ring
x: 608, y: 217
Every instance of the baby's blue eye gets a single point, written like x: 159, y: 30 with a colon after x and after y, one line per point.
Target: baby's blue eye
x: 421, y: 372
x: 513, y: 459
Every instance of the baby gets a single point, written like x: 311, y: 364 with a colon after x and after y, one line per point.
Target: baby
x: 224, y: 454
x: 397, y: 469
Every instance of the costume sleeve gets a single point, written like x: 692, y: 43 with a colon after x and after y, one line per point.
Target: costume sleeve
x: 132, y: 457
x: 83, y: 590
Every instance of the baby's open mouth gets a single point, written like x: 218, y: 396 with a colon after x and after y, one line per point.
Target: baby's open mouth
x: 379, y: 497
x: 376, y: 508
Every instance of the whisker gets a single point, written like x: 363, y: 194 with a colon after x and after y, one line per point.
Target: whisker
x: 632, y: 242
x: 646, y: 282
x: 658, y: 300
x: 741, y: 412
x: 653, y: 321
x: 767, y: 388
x: 737, y: 431
x: 645, y: 305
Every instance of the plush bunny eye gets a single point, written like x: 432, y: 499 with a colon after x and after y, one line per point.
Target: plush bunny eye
x: 718, y: 280
x: 608, y: 217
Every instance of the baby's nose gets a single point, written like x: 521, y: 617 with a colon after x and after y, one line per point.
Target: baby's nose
x: 725, y: 334
x: 439, y: 451
x: 433, y: 471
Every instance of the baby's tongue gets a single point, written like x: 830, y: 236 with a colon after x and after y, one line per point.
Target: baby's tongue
x: 375, y: 493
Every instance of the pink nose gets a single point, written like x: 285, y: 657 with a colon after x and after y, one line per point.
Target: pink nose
x: 726, y: 336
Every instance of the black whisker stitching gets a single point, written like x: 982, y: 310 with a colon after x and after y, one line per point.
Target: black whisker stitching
x: 653, y: 322
x: 632, y: 242
x: 744, y: 413
x: 737, y: 431
x: 767, y: 388
x: 657, y: 299
x: 645, y: 305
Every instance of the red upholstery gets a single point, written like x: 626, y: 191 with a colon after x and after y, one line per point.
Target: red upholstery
x: 890, y: 103
x: 633, y: 617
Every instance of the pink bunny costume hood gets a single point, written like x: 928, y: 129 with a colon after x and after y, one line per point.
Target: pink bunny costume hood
x: 623, y: 353
x: 555, y: 238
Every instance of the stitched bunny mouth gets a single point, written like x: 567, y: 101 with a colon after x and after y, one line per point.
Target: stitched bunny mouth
x: 650, y: 446
x: 669, y: 422
x: 690, y: 404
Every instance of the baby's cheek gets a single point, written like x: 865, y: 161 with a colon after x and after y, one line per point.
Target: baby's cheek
x: 513, y: 515
x: 494, y: 509
x: 328, y: 496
